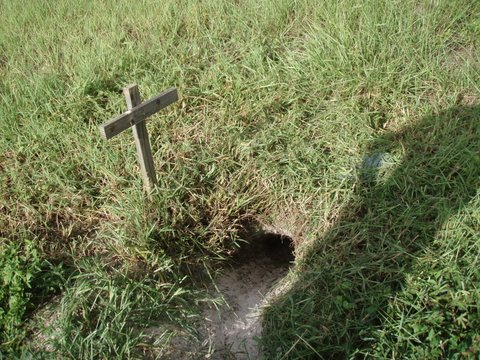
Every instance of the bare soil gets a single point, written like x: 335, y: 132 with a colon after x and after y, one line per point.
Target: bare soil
x: 247, y: 286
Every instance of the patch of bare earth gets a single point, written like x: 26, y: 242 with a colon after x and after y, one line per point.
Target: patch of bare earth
x: 248, y: 285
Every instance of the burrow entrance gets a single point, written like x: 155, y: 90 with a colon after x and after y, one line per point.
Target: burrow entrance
x: 249, y: 282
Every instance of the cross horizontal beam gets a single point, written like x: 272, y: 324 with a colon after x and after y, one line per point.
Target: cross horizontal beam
x: 138, y: 114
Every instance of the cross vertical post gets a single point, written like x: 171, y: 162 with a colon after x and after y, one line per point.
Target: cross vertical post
x: 142, y: 142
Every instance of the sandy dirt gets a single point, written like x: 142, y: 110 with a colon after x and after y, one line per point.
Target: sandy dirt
x: 246, y: 286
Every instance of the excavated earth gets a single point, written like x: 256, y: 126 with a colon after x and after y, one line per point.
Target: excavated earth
x: 247, y: 285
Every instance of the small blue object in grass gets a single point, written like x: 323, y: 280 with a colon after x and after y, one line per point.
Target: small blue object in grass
x: 372, y: 164
x: 369, y: 167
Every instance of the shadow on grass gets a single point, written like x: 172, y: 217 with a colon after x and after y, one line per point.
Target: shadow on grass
x: 377, y: 284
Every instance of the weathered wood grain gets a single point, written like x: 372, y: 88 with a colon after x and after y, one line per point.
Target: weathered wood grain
x: 138, y: 113
x: 142, y: 142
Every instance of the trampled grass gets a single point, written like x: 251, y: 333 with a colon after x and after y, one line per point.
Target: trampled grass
x: 280, y: 103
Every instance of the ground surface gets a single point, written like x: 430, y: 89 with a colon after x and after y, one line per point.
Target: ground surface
x: 251, y: 282
x: 351, y: 126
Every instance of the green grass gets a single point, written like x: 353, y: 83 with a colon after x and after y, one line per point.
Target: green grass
x: 280, y: 102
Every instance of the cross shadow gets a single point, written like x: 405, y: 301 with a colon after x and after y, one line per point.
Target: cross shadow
x: 350, y: 275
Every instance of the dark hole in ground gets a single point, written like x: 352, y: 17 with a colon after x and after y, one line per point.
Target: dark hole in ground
x: 265, y: 246
x: 249, y: 282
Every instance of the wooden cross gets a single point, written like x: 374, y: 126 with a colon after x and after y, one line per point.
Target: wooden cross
x: 135, y: 117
